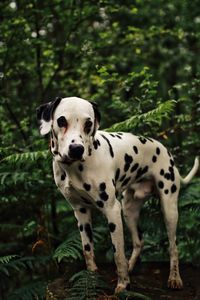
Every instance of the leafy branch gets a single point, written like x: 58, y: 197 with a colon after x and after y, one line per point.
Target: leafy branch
x: 154, y: 116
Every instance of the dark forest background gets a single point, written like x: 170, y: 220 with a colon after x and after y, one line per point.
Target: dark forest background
x: 139, y: 60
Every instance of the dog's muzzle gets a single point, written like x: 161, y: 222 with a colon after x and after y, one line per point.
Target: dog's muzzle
x: 76, y: 151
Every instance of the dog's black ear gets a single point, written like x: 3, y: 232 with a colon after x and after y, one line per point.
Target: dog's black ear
x: 45, y: 114
x: 97, y: 116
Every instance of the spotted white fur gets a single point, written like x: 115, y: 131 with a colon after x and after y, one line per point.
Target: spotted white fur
x: 92, y: 167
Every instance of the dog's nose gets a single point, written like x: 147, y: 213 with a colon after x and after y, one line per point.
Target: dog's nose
x: 76, y: 151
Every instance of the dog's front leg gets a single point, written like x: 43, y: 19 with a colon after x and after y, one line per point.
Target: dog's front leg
x: 112, y: 211
x: 83, y: 216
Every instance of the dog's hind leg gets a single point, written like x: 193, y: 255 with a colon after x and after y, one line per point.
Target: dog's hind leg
x: 83, y: 216
x: 131, y: 210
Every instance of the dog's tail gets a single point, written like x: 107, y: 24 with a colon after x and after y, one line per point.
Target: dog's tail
x: 191, y: 174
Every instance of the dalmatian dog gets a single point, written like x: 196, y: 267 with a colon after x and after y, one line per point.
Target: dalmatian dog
x: 91, y: 167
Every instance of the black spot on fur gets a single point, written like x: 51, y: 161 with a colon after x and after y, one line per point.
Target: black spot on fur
x: 88, y: 231
x: 87, y: 247
x: 126, y: 181
x: 143, y: 140
x: 135, y: 149
x: 63, y: 176
x: 102, y: 186
x: 104, y: 196
x: 154, y: 159
x: 169, y: 153
x: 134, y: 167
x: 80, y: 167
x: 109, y: 144
x: 55, y: 152
x: 128, y: 159
x: 117, y: 174
x: 83, y: 210
x: 167, y: 176
x: 160, y: 184
x: 166, y: 191
x: 171, y: 170
x: 87, y: 186
x: 149, y: 139
x: 122, y: 178
x: 52, y: 143
x: 162, y: 172
x: 141, y: 172
x: 172, y: 162
x: 89, y: 151
x: 173, y: 188
x: 126, y: 167
x: 172, y: 176
x: 95, y: 144
x: 81, y: 227
x: 118, y: 136
x: 157, y: 151
x: 100, y: 203
x: 112, y: 227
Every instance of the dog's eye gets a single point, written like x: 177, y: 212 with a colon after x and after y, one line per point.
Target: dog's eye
x: 62, y: 122
x: 88, y: 125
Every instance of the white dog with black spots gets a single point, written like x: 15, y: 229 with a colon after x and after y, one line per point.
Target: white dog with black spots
x: 92, y: 167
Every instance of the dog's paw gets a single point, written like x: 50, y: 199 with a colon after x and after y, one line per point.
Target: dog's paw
x: 122, y: 287
x: 175, y: 283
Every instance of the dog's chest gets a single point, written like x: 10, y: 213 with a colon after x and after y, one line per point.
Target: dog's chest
x: 74, y: 184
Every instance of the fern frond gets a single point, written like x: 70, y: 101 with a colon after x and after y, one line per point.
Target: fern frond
x: 32, y: 291
x: 27, y: 156
x: 14, y: 262
x: 86, y: 285
x: 6, y: 259
x: 154, y: 116
x: 71, y: 248
x: 14, y: 176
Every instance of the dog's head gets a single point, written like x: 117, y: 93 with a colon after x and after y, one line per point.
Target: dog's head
x: 73, y: 123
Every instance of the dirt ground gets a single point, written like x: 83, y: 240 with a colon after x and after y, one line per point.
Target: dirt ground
x: 150, y: 279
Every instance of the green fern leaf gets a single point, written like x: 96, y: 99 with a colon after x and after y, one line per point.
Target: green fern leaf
x: 70, y: 248
x: 154, y: 116
x: 32, y: 291
x: 27, y: 156
x: 86, y: 285
x: 7, y: 259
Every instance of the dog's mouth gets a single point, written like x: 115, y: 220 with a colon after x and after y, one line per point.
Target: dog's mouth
x: 69, y: 160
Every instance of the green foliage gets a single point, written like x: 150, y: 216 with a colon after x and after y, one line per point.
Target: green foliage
x: 153, y: 117
x: 86, y: 285
x: 70, y: 248
x: 31, y: 291
x: 27, y: 156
